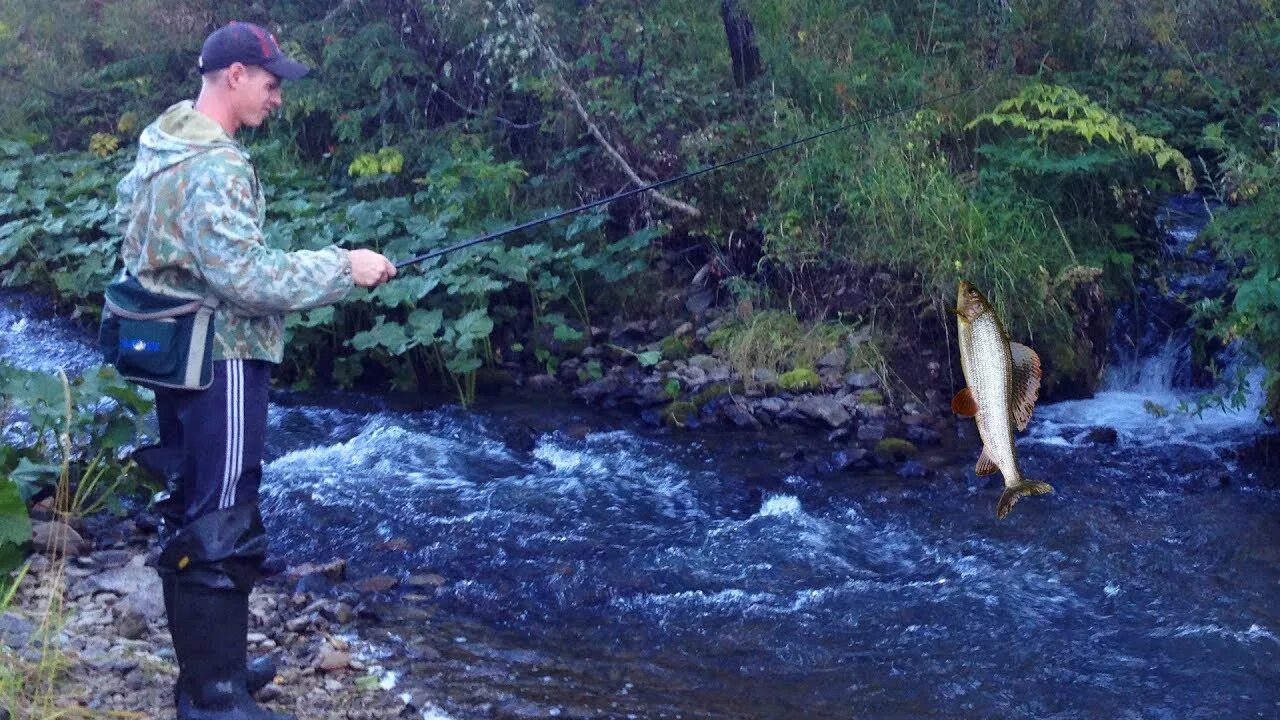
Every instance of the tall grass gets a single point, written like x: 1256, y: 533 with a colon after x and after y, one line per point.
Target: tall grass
x: 889, y: 199
x: 30, y: 678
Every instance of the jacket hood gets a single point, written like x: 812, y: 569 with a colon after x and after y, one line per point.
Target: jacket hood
x: 180, y: 133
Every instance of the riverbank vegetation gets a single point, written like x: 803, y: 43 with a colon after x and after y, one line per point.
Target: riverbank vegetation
x: 1024, y: 146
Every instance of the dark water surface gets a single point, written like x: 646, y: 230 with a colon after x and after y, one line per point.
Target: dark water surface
x: 703, y: 577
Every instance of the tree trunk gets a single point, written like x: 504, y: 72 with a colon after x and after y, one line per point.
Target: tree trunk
x: 742, y: 45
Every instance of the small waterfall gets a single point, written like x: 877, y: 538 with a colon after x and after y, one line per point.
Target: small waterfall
x: 1151, y: 391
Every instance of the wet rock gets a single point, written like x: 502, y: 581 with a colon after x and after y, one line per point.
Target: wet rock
x: 15, y: 630
x: 851, y: 458
x: 765, y: 378
x: 1101, y: 436
x: 329, y: 660
x: 130, y: 625
x: 377, y: 584
x: 871, y: 430
x: 335, y: 570
x: 651, y: 393
x: 425, y: 580
x: 862, y: 379
x: 542, y: 383
x: 834, y: 361
x: 913, y: 469
x: 623, y: 333
x: 923, y: 435
x: 916, y: 418
x: 147, y: 603
x: 339, y: 612
x: 44, y: 535
x: 39, y: 564
x: 112, y: 558
x: 387, y: 612
x: 298, y: 624
x: 704, y: 362
x: 313, y: 584
x: 823, y: 408
x: 690, y: 376
x: 772, y: 405
x: 122, y: 581
x: 568, y: 371
x: 740, y: 416
x: 596, y: 391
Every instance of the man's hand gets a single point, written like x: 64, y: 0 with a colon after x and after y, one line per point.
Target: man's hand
x: 370, y: 269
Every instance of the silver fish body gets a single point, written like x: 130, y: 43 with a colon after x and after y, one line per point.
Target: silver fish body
x: 1003, y: 381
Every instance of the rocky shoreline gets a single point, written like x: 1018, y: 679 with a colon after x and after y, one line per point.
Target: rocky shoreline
x: 865, y: 421
x: 116, y: 644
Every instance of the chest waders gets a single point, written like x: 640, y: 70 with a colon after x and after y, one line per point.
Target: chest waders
x: 212, y: 551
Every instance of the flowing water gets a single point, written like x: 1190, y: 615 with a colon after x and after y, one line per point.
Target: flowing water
x: 590, y: 566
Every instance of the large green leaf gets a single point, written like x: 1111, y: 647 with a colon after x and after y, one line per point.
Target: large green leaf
x: 15, y: 525
x: 29, y: 477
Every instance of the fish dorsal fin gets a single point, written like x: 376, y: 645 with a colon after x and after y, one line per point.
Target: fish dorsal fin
x: 964, y: 404
x: 1026, y: 383
x: 985, y: 465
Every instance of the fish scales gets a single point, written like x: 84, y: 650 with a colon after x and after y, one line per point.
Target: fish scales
x: 1001, y: 392
x: 992, y: 380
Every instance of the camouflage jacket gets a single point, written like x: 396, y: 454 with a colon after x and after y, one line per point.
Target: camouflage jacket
x: 191, y: 215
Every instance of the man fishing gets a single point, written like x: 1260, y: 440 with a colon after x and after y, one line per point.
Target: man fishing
x: 191, y: 216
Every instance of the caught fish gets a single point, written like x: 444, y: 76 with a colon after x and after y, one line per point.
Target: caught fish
x: 1003, y: 381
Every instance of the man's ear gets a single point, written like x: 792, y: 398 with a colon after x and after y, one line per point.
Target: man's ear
x: 235, y: 74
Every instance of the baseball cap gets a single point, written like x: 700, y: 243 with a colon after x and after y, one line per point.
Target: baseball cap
x: 249, y: 44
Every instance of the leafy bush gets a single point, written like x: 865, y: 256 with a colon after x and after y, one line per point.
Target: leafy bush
x: 56, y: 230
x: 52, y: 426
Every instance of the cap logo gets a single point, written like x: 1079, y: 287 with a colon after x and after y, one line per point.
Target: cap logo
x: 266, y: 41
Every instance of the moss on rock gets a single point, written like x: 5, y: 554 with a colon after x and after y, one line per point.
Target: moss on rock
x: 799, y: 379
x: 679, y: 413
x: 709, y: 393
x: 676, y: 348
x: 896, y: 449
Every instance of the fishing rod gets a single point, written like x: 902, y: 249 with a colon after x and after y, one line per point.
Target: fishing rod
x: 670, y: 181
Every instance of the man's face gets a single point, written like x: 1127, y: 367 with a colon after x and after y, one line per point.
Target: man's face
x: 257, y: 94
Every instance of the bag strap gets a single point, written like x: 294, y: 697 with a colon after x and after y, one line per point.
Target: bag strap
x: 211, y: 302
x: 186, y: 309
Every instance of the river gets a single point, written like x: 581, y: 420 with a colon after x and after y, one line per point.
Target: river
x: 590, y: 566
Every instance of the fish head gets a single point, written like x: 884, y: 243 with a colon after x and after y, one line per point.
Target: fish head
x: 970, y: 302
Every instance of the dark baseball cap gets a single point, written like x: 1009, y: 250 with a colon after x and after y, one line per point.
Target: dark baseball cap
x: 248, y: 44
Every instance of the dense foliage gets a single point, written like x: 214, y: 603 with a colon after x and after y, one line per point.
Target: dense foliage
x: 429, y: 122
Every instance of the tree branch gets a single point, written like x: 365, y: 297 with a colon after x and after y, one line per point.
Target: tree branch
x: 556, y: 64
x: 574, y: 100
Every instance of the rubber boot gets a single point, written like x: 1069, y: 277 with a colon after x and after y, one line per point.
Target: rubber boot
x: 209, y: 626
x: 258, y: 673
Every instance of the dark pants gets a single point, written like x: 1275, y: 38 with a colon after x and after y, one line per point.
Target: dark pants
x: 210, y: 454
x: 221, y: 432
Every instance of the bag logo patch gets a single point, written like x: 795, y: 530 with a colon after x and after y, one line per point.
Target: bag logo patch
x: 139, y: 345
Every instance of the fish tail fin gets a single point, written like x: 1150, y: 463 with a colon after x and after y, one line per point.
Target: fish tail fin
x: 1013, y: 494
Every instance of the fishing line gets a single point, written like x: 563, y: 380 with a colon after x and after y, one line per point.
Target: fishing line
x: 670, y: 181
